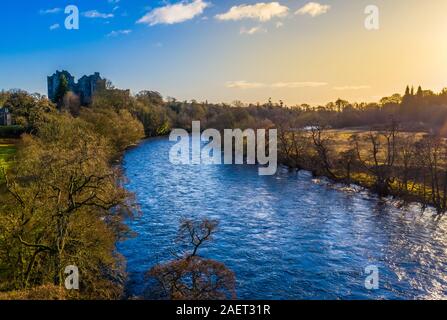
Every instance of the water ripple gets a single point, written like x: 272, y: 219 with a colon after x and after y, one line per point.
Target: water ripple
x: 286, y: 237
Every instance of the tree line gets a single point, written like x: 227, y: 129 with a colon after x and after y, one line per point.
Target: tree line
x: 415, y: 110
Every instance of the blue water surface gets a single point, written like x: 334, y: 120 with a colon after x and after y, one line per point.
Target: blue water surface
x: 287, y: 236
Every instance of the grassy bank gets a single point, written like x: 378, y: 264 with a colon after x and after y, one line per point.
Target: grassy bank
x: 7, y: 150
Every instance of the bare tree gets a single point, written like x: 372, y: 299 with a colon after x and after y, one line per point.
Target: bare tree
x: 406, y: 164
x: 433, y: 157
x: 380, y: 157
x: 322, y: 146
x: 196, y: 233
x: 294, y: 146
x: 192, y: 277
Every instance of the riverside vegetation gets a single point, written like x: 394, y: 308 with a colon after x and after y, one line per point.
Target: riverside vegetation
x: 63, y: 201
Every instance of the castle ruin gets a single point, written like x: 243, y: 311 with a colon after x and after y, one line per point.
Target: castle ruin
x: 5, y: 117
x: 85, y: 88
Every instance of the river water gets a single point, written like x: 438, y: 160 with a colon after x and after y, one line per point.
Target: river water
x: 287, y: 236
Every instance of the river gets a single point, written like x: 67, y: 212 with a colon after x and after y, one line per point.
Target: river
x: 287, y: 236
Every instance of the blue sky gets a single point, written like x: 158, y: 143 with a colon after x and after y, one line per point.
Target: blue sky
x: 215, y: 50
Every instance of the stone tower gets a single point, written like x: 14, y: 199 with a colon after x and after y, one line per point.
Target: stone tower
x: 85, y: 88
x: 5, y: 117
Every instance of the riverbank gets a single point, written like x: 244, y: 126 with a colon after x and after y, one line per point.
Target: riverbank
x: 407, y: 166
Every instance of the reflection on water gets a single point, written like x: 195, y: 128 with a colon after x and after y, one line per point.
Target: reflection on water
x: 285, y: 236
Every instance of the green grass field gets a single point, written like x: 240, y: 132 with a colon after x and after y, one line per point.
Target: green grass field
x: 7, y: 150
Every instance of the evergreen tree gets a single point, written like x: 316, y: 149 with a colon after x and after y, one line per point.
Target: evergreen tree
x: 420, y: 93
x: 407, y: 91
x: 62, y: 89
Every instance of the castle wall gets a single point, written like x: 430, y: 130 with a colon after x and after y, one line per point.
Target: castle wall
x: 85, y: 88
x: 5, y: 118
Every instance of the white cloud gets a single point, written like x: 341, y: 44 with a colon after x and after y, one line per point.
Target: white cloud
x: 345, y: 88
x: 96, y: 14
x: 260, y: 11
x: 279, y: 24
x: 113, y: 1
x: 308, y: 84
x: 55, y: 26
x: 313, y: 9
x: 119, y: 32
x: 252, y: 31
x: 242, y: 84
x: 50, y: 11
x: 175, y: 13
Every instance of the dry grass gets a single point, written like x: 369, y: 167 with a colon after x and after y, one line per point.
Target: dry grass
x: 342, y: 138
x: 48, y: 292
